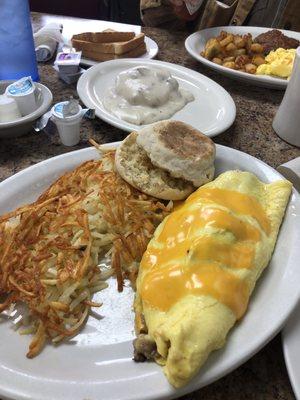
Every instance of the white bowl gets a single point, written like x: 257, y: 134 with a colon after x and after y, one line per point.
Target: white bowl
x: 23, y: 125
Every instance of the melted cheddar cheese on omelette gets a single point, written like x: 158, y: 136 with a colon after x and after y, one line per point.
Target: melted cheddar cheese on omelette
x: 199, y: 270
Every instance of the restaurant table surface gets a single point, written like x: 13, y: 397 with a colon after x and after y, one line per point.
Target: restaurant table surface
x: 264, y: 376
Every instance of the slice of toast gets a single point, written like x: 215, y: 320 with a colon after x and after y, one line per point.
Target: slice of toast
x: 118, y: 48
x: 98, y: 56
x: 107, y: 36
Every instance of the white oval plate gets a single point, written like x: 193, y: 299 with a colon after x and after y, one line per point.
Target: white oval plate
x: 212, y: 111
x: 152, y: 50
x: 291, y: 350
x: 195, y: 43
x: 97, y: 363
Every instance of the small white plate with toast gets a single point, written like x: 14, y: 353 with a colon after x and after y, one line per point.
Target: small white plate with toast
x: 212, y: 111
x: 104, y: 40
x: 151, y: 52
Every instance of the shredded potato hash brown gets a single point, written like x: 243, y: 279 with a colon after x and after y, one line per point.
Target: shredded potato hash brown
x: 50, y: 249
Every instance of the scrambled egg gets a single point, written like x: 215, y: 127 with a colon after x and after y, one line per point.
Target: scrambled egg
x: 201, y: 266
x: 279, y: 63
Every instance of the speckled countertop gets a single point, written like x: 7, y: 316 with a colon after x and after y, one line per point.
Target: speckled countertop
x: 264, y: 377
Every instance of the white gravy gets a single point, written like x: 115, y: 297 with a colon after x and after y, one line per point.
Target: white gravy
x: 143, y: 95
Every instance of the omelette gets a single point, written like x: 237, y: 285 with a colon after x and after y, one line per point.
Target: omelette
x: 200, y: 268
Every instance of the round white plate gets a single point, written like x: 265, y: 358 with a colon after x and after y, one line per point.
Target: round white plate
x: 152, y: 50
x: 195, y: 43
x: 212, y: 111
x: 291, y: 349
x: 97, y: 363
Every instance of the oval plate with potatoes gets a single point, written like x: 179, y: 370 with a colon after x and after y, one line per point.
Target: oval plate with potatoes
x: 195, y: 44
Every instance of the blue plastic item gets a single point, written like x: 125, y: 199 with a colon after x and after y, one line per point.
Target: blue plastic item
x: 17, y: 54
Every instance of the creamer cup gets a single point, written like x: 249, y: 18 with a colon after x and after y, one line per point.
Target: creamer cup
x: 9, y: 110
x: 62, y: 115
x: 23, y: 91
x: 68, y: 126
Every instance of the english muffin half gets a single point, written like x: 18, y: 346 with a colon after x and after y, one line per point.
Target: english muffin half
x: 180, y: 149
x: 136, y: 168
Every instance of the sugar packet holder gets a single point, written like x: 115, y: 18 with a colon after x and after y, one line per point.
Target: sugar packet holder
x: 69, y: 78
x: 68, y: 62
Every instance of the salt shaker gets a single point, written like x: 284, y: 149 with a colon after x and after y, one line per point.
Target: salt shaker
x: 287, y: 120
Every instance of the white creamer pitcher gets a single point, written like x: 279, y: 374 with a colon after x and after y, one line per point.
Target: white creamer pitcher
x: 287, y: 120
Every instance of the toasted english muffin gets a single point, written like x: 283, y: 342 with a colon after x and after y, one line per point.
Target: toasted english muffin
x: 180, y: 149
x: 136, y: 168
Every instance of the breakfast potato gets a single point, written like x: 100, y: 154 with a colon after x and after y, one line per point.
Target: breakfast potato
x: 239, y: 42
x: 228, y: 39
x: 229, y: 59
x: 240, y: 52
x: 250, y: 68
x: 241, y: 61
x: 212, y: 48
x: 256, y: 48
x: 229, y: 64
x: 222, y: 36
x: 217, y: 60
x: 258, y: 59
x: 248, y: 42
x: 230, y: 48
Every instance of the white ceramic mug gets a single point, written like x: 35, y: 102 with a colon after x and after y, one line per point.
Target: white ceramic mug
x: 287, y: 120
